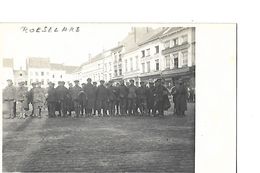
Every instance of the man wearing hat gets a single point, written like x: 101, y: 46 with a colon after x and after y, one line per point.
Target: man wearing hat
x: 61, y: 93
x: 90, y: 91
x: 9, y: 98
x: 38, y: 99
x: 21, y: 100
x: 51, y: 99
x: 75, y: 97
x: 111, y: 102
x: 132, y: 90
x: 150, y: 98
x: 142, y: 92
x: 102, y: 94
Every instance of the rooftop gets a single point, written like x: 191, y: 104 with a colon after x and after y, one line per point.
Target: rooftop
x: 38, y: 62
x: 8, y: 62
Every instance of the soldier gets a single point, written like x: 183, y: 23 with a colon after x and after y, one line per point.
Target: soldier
x: 51, y: 99
x: 21, y: 100
x: 132, y: 98
x: 38, y: 99
x: 75, y: 97
x: 70, y: 105
x: 30, y: 97
x: 83, y: 100
x: 102, y: 98
x: 150, y: 99
x: 95, y: 97
x: 123, y: 93
x: 90, y: 91
x: 181, y: 98
x: 61, y: 93
x: 111, y: 98
x: 142, y: 98
x: 9, y: 97
x: 117, y: 101
x: 160, y: 92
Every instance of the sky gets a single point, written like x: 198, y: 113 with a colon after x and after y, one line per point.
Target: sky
x: 69, y: 48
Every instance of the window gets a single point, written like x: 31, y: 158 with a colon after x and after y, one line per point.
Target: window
x: 167, y: 61
x: 120, y: 72
x: 148, y: 66
x: 175, y: 42
x: 184, y: 39
x: 131, y: 64
x: 185, y: 58
x: 98, y: 66
x: 167, y: 44
x: 156, y: 49
x: 110, y: 75
x: 136, y: 63
x: 20, y: 74
x: 53, y: 76
x: 143, y: 53
x: 143, y: 68
x: 26, y: 83
x: 61, y: 76
x: 42, y: 73
x: 176, y: 60
x: 126, y: 65
x: 157, y: 65
x: 148, y: 52
x: 36, y: 74
x: 115, y: 72
x: 120, y: 58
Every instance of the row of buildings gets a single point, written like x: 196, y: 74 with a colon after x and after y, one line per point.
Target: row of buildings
x: 37, y: 70
x: 144, y: 55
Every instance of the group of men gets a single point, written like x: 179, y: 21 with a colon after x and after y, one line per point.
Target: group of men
x: 88, y: 99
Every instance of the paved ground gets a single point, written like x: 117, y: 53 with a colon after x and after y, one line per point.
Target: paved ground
x: 108, y: 144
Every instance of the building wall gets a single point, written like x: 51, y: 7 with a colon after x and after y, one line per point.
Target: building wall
x: 39, y: 75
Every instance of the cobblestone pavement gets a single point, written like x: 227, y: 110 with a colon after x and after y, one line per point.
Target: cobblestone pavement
x: 100, y: 144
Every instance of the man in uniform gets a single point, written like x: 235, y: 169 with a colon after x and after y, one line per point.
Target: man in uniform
x: 61, y: 93
x: 9, y: 97
x: 95, y: 97
x: 75, y: 97
x: 142, y: 98
x: 150, y: 99
x: 69, y: 100
x: 117, y: 101
x: 38, y: 99
x: 21, y: 100
x: 90, y: 91
x: 102, y: 98
x: 132, y: 89
x: 83, y: 100
x: 51, y: 99
x: 160, y: 92
x: 123, y: 93
x: 111, y: 98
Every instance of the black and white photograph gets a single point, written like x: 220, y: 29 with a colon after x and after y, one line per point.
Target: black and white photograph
x: 82, y: 97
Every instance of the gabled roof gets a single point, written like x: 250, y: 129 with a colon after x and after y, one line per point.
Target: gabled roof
x: 8, y: 62
x: 38, y: 63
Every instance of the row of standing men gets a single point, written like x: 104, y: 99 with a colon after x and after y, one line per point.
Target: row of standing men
x: 90, y: 99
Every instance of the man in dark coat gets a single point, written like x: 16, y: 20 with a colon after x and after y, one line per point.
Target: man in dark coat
x: 70, y: 105
x: 102, y: 94
x: 111, y: 102
x: 160, y: 92
x: 150, y: 99
x: 51, y: 100
x: 30, y: 97
x: 123, y: 93
x: 75, y: 97
x: 117, y: 101
x: 132, y: 90
x: 142, y: 93
x: 9, y: 98
x: 181, y: 98
x: 90, y: 91
x: 61, y: 93
x: 83, y: 100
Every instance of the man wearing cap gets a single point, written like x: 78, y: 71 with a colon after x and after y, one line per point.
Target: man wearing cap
x: 30, y: 97
x: 38, y: 99
x: 150, y: 98
x: 90, y: 91
x: 69, y: 100
x: 75, y: 97
x: 9, y: 97
x: 83, y: 100
x: 132, y: 89
x: 21, y: 100
x: 51, y: 99
x: 111, y: 90
x: 102, y: 96
x: 61, y: 93
x: 142, y: 98
x: 160, y: 92
x: 123, y: 93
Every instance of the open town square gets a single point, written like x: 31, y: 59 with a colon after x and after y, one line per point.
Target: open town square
x: 130, y: 108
